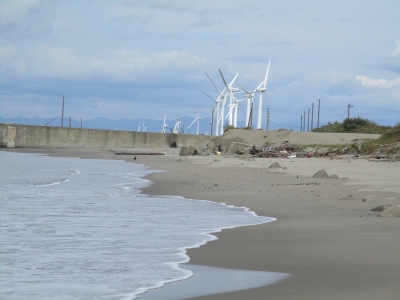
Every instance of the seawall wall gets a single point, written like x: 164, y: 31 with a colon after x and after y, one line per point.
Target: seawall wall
x: 29, y: 136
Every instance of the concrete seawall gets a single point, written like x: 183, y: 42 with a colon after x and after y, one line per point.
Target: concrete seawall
x: 28, y: 136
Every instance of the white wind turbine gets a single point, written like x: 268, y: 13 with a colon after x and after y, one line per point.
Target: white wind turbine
x: 249, y: 96
x: 229, y: 92
x: 234, y: 109
x: 218, y: 102
x: 164, y: 127
x: 198, y: 119
x: 177, y: 126
x: 215, y: 111
x: 144, y: 127
x: 138, y: 127
x: 262, y: 88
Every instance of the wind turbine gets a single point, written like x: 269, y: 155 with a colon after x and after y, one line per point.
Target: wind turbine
x: 164, y: 125
x: 262, y: 88
x: 144, y: 127
x: 198, y: 119
x: 218, y: 102
x: 249, y: 96
x: 138, y: 127
x: 215, y: 114
x: 177, y: 126
x: 230, y: 90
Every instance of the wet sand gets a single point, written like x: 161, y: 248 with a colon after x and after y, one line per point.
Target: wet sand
x: 325, y: 236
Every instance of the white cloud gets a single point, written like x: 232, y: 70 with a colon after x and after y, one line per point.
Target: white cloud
x: 381, y: 83
x: 124, y: 65
x: 396, y: 51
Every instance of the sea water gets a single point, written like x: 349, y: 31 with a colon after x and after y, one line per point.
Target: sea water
x: 80, y: 229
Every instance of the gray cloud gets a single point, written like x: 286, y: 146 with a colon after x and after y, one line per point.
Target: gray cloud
x: 26, y: 19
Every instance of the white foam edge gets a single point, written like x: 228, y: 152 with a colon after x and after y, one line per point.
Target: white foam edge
x: 183, y: 250
x: 53, y: 183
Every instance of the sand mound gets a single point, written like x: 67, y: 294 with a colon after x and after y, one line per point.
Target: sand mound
x: 276, y: 137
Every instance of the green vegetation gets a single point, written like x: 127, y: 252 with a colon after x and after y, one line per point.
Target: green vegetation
x: 354, y: 125
x: 391, y: 138
x: 388, y: 143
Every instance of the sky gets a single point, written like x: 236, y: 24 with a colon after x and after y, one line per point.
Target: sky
x: 144, y: 59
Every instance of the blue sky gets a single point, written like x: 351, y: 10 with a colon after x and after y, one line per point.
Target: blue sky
x: 143, y: 59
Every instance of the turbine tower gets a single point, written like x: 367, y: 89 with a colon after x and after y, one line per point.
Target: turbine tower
x: 230, y: 90
x: 217, y: 110
x: 198, y: 119
x: 249, y: 96
x: 164, y: 127
x: 262, y: 88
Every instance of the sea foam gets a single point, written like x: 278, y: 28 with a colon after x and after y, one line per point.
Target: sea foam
x: 86, y: 232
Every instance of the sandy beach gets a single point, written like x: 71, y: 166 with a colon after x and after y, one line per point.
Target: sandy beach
x: 325, y: 235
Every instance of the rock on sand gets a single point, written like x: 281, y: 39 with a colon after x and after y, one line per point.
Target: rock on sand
x: 275, y: 165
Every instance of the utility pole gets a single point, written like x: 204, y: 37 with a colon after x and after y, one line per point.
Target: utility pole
x: 62, y: 113
x: 304, y: 122
x: 301, y: 123
x: 81, y: 122
x: 312, y: 116
x: 267, y: 117
x: 319, y: 105
x: 348, y: 110
x: 69, y: 122
x: 308, y: 121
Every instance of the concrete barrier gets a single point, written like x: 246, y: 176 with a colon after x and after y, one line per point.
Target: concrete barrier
x: 28, y: 136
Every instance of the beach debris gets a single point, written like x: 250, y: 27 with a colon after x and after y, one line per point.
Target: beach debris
x: 350, y: 197
x: 275, y: 165
x: 381, y: 207
x: 284, y: 150
x: 292, y: 156
x: 366, y: 199
x: 345, y: 149
x: 390, y: 212
x: 124, y: 152
x: 303, y: 183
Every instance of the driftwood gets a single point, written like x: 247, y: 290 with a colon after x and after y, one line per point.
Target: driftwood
x: 123, y: 152
x: 283, y: 150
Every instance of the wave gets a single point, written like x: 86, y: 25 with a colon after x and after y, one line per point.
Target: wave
x: 50, y: 183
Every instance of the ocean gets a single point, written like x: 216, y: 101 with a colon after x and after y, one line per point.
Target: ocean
x: 80, y: 229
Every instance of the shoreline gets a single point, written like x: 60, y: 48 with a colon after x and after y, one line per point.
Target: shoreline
x: 331, y: 243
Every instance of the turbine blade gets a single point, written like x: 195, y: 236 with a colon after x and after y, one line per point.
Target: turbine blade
x: 244, y: 89
x: 230, y: 111
x: 270, y: 99
x: 223, y: 78
x: 266, y: 74
x: 233, y: 80
x: 192, y: 123
x: 213, y: 83
x: 209, y: 96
